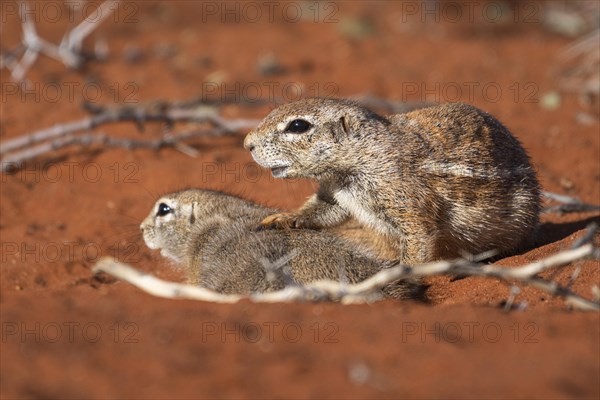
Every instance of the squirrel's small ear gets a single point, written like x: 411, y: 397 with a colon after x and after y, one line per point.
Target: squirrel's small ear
x: 344, y: 125
x: 341, y: 129
x: 195, y: 209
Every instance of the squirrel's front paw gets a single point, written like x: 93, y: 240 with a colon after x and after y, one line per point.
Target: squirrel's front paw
x: 280, y: 221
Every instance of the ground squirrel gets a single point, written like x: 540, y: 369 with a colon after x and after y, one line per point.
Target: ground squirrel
x: 213, y: 235
x: 436, y: 182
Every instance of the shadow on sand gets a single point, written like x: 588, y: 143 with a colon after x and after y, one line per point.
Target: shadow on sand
x: 551, y: 232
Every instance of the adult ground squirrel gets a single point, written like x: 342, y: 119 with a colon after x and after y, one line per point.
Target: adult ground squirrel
x: 213, y: 235
x: 436, y: 181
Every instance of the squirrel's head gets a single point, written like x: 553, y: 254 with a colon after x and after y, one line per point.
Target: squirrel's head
x: 176, y: 216
x: 309, y: 137
x: 179, y: 218
x: 170, y: 222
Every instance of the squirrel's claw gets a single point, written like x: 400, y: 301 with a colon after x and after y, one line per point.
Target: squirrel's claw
x: 279, y: 221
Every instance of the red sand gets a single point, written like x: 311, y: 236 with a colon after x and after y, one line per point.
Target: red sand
x: 68, y: 334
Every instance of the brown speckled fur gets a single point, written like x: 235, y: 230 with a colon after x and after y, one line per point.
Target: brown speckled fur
x: 436, y: 182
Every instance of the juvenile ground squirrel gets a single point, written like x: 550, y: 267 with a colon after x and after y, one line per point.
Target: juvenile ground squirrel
x: 213, y: 236
x: 436, y: 181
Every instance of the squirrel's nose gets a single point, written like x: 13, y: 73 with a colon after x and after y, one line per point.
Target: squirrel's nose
x: 248, y: 144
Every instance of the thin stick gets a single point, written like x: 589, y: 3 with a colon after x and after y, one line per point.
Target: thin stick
x: 139, y: 115
x: 569, y: 204
x: 69, y: 50
x: 361, y: 291
x: 159, y: 288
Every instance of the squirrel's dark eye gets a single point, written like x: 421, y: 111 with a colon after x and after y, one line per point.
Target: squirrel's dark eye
x: 298, y: 126
x: 163, y: 210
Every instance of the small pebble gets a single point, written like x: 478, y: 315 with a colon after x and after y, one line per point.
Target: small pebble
x: 550, y: 101
x: 355, y: 28
x: 269, y: 65
x: 133, y: 54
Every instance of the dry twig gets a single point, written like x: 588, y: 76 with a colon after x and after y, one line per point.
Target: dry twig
x: 569, y: 204
x: 24, y: 148
x: 69, y: 51
x: 363, y: 291
x: 584, y: 76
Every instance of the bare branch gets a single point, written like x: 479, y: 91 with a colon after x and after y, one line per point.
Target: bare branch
x: 71, y: 44
x: 15, y: 160
x: 582, y: 46
x: 361, y: 292
x: 571, y: 208
x: 580, y: 61
x: 68, y: 52
x: 561, y: 198
x: 569, y: 204
x: 587, y: 237
x: 63, y: 135
x: 158, y: 287
x: 139, y: 115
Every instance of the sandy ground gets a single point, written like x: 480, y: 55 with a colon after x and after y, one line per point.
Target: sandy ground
x: 69, y: 334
